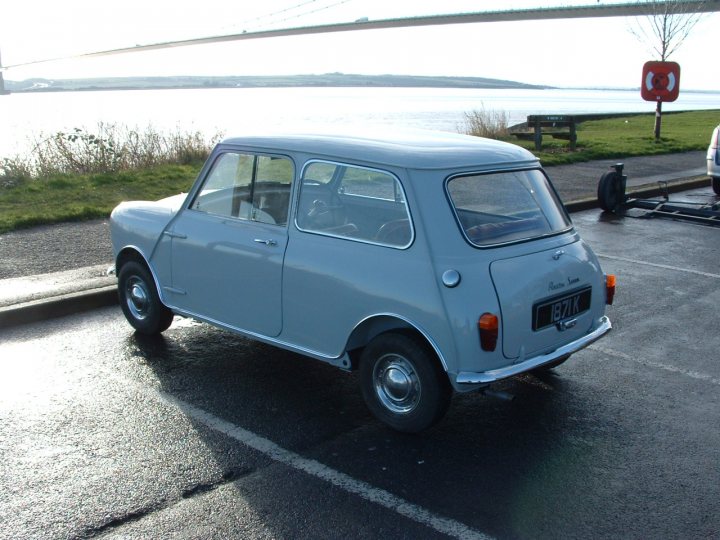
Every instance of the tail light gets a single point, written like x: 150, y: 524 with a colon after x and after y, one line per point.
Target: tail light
x: 488, y: 325
x: 609, y: 289
x: 716, y: 139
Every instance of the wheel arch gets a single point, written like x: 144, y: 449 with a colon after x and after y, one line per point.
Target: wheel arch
x: 133, y: 253
x: 373, y: 326
x: 130, y: 253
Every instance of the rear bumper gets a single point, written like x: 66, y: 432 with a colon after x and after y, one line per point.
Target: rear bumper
x: 487, y: 377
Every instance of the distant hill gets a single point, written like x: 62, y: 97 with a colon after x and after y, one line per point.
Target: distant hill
x: 251, y: 81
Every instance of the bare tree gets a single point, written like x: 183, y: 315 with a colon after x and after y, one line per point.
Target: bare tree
x: 665, y: 30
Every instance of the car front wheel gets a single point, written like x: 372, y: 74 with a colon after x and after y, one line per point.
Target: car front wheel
x: 403, y: 383
x: 139, y: 300
x: 716, y: 184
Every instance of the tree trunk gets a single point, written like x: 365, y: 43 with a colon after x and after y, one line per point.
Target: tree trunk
x: 658, y: 120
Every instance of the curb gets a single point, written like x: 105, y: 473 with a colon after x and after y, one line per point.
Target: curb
x: 58, y: 306
x: 642, y: 192
x: 78, y: 302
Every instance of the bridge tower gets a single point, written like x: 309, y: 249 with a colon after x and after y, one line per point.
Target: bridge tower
x: 2, y: 81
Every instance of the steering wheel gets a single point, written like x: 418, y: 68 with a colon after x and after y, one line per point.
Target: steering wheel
x: 318, y: 209
x: 323, y: 215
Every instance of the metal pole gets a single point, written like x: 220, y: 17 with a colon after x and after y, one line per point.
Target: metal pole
x: 658, y: 120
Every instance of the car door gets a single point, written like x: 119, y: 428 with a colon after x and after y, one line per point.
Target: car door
x: 228, y: 245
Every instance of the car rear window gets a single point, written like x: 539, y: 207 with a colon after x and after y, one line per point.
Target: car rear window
x: 502, y: 207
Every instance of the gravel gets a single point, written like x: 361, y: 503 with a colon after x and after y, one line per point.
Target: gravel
x: 52, y: 248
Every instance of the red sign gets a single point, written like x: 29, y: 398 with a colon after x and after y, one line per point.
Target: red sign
x: 660, y: 81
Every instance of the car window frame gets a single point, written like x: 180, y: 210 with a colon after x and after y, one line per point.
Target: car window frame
x: 495, y: 245
x: 333, y: 184
x: 207, y: 172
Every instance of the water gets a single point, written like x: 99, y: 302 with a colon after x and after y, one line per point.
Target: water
x: 26, y: 117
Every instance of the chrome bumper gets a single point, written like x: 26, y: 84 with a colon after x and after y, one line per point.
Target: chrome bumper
x: 486, y: 377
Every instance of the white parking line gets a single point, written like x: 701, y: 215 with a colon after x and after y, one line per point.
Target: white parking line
x: 655, y: 265
x: 666, y: 367
x: 318, y: 470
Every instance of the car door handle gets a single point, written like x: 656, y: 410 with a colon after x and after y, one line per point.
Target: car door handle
x: 175, y: 235
x: 566, y: 325
x: 266, y: 242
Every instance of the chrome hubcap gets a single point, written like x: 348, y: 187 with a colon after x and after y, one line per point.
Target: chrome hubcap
x: 396, y: 384
x: 137, y: 298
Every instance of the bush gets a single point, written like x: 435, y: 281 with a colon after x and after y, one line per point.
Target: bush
x: 112, y: 148
x: 486, y: 123
x: 14, y: 172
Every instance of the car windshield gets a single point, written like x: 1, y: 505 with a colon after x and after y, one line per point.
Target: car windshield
x: 502, y: 207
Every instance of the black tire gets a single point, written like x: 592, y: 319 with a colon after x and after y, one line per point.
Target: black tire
x: 609, y: 192
x: 716, y: 184
x: 139, y: 300
x: 403, y: 383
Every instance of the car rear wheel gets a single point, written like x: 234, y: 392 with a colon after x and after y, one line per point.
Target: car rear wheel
x: 716, y: 184
x: 139, y: 300
x: 403, y: 383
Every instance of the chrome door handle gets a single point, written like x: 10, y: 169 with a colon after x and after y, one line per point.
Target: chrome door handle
x: 175, y: 235
x: 266, y: 242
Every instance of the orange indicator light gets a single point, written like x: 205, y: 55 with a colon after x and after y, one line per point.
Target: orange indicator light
x: 488, y: 324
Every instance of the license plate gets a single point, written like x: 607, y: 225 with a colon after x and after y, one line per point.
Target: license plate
x: 558, y: 309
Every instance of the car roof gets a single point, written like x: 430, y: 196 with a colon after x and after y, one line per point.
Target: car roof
x: 411, y: 149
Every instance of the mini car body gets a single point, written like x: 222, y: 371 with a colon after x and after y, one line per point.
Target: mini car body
x: 431, y: 262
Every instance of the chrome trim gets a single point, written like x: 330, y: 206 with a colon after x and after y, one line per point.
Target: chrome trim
x: 270, y: 243
x: 486, y: 377
x: 136, y: 297
x: 397, y: 384
x: 536, y: 167
x: 566, y: 325
x: 348, y: 164
x: 412, y: 325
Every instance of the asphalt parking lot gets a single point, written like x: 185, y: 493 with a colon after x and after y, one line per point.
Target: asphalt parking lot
x: 202, y: 434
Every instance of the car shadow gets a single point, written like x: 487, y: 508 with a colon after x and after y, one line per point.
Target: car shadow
x: 493, y: 464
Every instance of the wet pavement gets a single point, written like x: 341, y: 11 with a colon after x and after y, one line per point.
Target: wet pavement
x: 203, y: 434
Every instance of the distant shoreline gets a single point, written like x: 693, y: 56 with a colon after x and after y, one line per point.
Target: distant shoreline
x: 329, y: 80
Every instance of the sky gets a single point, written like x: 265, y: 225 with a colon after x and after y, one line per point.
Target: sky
x: 600, y: 52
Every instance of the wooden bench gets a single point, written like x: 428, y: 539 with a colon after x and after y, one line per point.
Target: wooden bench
x: 558, y: 126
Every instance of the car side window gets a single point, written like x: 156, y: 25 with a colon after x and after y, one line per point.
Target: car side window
x: 356, y: 203
x: 247, y: 186
x: 369, y: 183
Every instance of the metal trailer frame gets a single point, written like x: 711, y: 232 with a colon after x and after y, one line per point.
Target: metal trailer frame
x: 612, y: 198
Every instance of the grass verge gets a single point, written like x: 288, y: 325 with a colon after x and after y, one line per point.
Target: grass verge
x: 76, y: 197
x: 618, y: 138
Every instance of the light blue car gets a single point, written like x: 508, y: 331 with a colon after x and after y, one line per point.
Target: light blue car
x: 430, y: 262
